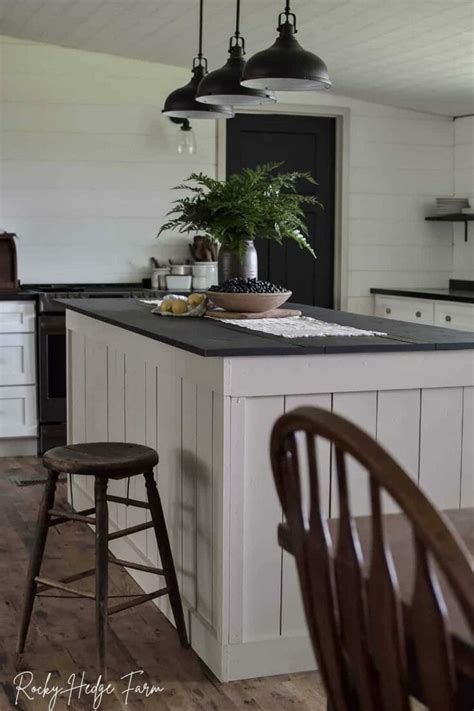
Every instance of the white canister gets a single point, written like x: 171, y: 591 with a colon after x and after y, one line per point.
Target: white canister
x: 207, y: 271
x: 200, y: 283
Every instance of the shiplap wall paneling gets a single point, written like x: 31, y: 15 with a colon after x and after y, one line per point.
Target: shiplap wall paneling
x: 151, y: 440
x: 361, y: 408
x: 440, y: 445
x: 219, y: 538
x: 398, y: 431
x: 204, y: 504
x: 135, y: 431
x: 189, y: 572
x: 76, y: 404
x: 262, y: 514
x: 90, y: 162
x: 293, y: 621
x: 467, y: 470
x: 169, y: 441
x: 116, y: 431
x: 237, y: 487
x: 96, y: 415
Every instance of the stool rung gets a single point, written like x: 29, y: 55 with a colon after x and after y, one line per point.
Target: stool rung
x: 64, y: 516
x: 129, y: 531
x: 128, y: 502
x: 71, y: 578
x: 137, y: 601
x: 60, y: 586
x: 136, y: 566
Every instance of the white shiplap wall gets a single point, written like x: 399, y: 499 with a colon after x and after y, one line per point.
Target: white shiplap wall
x: 87, y: 162
x: 463, y: 258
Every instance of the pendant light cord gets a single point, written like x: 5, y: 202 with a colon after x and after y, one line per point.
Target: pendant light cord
x: 237, y: 42
x: 287, y: 14
x: 201, y: 12
x: 200, y: 60
x: 237, y: 20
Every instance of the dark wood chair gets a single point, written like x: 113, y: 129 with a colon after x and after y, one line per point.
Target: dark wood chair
x: 104, y: 461
x: 361, y: 637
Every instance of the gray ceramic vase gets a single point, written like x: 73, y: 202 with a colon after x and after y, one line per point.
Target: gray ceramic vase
x: 231, y: 264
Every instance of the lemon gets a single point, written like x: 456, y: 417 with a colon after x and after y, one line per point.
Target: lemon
x: 165, y: 305
x: 195, y: 299
x: 179, y: 306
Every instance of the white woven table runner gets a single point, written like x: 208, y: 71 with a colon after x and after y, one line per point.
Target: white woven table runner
x: 299, y: 327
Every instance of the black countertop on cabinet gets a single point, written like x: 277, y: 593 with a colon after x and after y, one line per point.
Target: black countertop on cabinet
x: 460, y: 290
x: 207, y: 337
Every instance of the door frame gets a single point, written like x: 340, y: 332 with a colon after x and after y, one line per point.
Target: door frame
x: 341, y: 194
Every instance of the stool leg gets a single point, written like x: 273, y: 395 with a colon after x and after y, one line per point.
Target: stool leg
x: 36, y: 559
x: 166, y: 556
x: 101, y: 571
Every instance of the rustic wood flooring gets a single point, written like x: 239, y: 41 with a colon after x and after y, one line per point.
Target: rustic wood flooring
x: 61, y: 639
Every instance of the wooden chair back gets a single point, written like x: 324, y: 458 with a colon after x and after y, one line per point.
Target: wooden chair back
x: 355, y: 616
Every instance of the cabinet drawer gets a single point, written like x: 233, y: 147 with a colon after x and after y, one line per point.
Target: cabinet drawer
x: 17, y: 317
x: 17, y: 359
x: 414, y: 310
x: 453, y: 315
x: 18, y: 411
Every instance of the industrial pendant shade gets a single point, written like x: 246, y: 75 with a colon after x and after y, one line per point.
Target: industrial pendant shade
x: 286, y: 66
x: 181, y: 103
x: 223, y: 85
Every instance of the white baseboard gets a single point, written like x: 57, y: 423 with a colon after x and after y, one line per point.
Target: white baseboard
x: 19, y: 447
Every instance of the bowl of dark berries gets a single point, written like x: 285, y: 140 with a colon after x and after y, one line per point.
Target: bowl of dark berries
x: 248, y: 295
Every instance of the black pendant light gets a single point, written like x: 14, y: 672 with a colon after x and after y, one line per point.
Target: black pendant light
x: 182, y: 103
x: 286, y: 66
x: 222, y: 86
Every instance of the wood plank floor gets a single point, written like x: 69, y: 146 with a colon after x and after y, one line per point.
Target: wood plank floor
x: 61, y: 640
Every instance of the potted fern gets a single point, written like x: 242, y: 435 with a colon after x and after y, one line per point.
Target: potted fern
x: 252, y: 204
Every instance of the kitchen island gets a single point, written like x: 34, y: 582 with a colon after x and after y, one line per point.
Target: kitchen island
x: 205, y: 394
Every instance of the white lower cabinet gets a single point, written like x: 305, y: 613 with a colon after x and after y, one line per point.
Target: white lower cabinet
x: 18, y: 415
x: 454, y: 315
x: 18, y: 411
x: 402, y: 309
x: 448, y: 314
x: 17, y: 359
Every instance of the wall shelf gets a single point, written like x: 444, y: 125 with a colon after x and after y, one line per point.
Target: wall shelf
x: 459, y: 217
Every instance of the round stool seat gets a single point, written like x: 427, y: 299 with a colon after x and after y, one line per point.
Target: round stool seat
x: 112, y: 459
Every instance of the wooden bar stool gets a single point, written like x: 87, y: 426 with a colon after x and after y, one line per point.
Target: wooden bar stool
x: 104, y: 461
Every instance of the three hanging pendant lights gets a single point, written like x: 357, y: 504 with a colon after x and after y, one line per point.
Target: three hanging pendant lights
x: 284, y: 66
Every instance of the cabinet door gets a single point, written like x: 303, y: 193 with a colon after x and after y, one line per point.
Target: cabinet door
x: 454, y: 315
x: 17, y: 317
x: 405, y: 309
x: 17, y: 359
x: 18, y: 411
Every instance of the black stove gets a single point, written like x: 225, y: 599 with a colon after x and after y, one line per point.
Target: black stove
x: 51, y: 350
x: 49, y: 293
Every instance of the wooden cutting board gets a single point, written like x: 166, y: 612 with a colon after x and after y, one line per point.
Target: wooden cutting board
x: 273, y: 313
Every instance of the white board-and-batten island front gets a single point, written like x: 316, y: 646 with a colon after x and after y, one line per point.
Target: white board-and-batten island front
x: 206, y: 394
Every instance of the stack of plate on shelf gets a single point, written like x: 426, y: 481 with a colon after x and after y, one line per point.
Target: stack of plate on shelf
x: 450, y: 205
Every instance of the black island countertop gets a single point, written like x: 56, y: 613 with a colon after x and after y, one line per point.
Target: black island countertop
x: 210, y: 338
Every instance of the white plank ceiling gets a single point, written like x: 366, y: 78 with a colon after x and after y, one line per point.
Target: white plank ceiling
x: 409, y: 53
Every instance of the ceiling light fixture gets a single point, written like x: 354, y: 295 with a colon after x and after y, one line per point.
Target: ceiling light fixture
x: 182, y: 103
x: 222, y: 86
x: 286, y: 66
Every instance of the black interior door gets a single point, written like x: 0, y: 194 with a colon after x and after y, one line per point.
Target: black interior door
x: 302, y: 143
